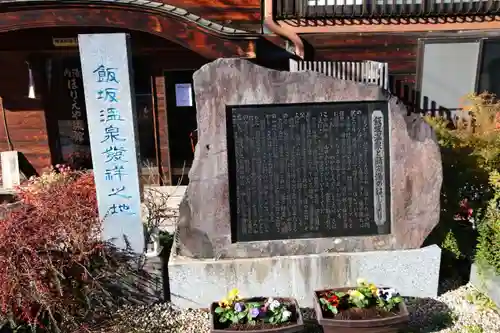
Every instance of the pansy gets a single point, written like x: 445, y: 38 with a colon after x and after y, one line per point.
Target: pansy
x: 269, y: 301
x: 238, y: 307
x: 333, y: 300
x: 383, y: 294
x: 373, y: 288
x: 386, y: 293
x: 356, y: 294
x: 391, y: 292
x: 223, y: 303
x: 286, y: 314
x: 274, y: 305
x: 233, y: 294
x: 361, y: 281
x: 254, y: 312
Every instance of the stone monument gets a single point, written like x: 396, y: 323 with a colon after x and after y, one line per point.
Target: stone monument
x: 302, y: 181
x: 112, y: 126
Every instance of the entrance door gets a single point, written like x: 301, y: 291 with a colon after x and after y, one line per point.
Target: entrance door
x: 181, y: 119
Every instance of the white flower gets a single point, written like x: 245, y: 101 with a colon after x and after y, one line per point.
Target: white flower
x: 361, y: 281
x: 285, y: 315
x: 274, y: 304
x: 386, y: 293
x: 390, y: 293
x: 269, y: 301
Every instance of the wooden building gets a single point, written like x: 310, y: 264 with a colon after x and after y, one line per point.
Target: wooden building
x: 434, y: 51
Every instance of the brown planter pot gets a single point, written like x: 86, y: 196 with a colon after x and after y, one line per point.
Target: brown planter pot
x: 378, y: 325
x: 297, y: 323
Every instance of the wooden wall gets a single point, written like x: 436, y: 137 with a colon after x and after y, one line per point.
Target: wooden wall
x: 239, y: 14
x: 25, y: 117
x: 399, y: 50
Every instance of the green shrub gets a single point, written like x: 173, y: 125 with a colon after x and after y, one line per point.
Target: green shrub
x: 488, y: 248
x: 450, y: 243
x: 471, y: 157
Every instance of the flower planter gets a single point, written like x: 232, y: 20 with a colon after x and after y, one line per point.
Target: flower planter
x: 383, y: 324
x: 296, y: 323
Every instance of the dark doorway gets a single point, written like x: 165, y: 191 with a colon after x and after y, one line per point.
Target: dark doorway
x: 181, y: 118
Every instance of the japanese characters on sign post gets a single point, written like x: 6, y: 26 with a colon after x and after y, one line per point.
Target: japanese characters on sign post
x: 72, y: 76
x: 113, y: 136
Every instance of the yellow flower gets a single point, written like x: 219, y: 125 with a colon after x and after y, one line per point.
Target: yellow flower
x: 356, y: 294
x: 233, y: 294
x: 361, y: 281
x: 224, y: 303
x: 373, y: 288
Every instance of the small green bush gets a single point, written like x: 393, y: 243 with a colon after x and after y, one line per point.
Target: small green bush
x: 488, y: 248
x: 471, y: 159
x: 450, y: 243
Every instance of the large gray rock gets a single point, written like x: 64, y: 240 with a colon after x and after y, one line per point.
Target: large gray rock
x: 204, y: 229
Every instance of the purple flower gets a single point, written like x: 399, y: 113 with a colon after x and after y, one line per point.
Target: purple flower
x: 254, y: 312
x: 238, y: 307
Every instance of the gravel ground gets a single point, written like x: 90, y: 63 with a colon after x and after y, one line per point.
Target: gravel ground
x: 462, y: 310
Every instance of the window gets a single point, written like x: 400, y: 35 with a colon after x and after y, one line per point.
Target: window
x: 448, y: 73
x: 454, y: 68
x: 489, y: 80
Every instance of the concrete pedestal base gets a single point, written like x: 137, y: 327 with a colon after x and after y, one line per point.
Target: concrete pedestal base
x: 195, y: 283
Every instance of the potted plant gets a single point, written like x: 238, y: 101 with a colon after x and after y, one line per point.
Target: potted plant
x: 364, y: 309
x: 258, y: 314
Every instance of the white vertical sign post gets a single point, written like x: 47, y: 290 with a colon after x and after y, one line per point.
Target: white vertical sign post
x: 112, y: 121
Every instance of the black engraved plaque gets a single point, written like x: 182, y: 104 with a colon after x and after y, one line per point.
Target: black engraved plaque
x: 309, y: 170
